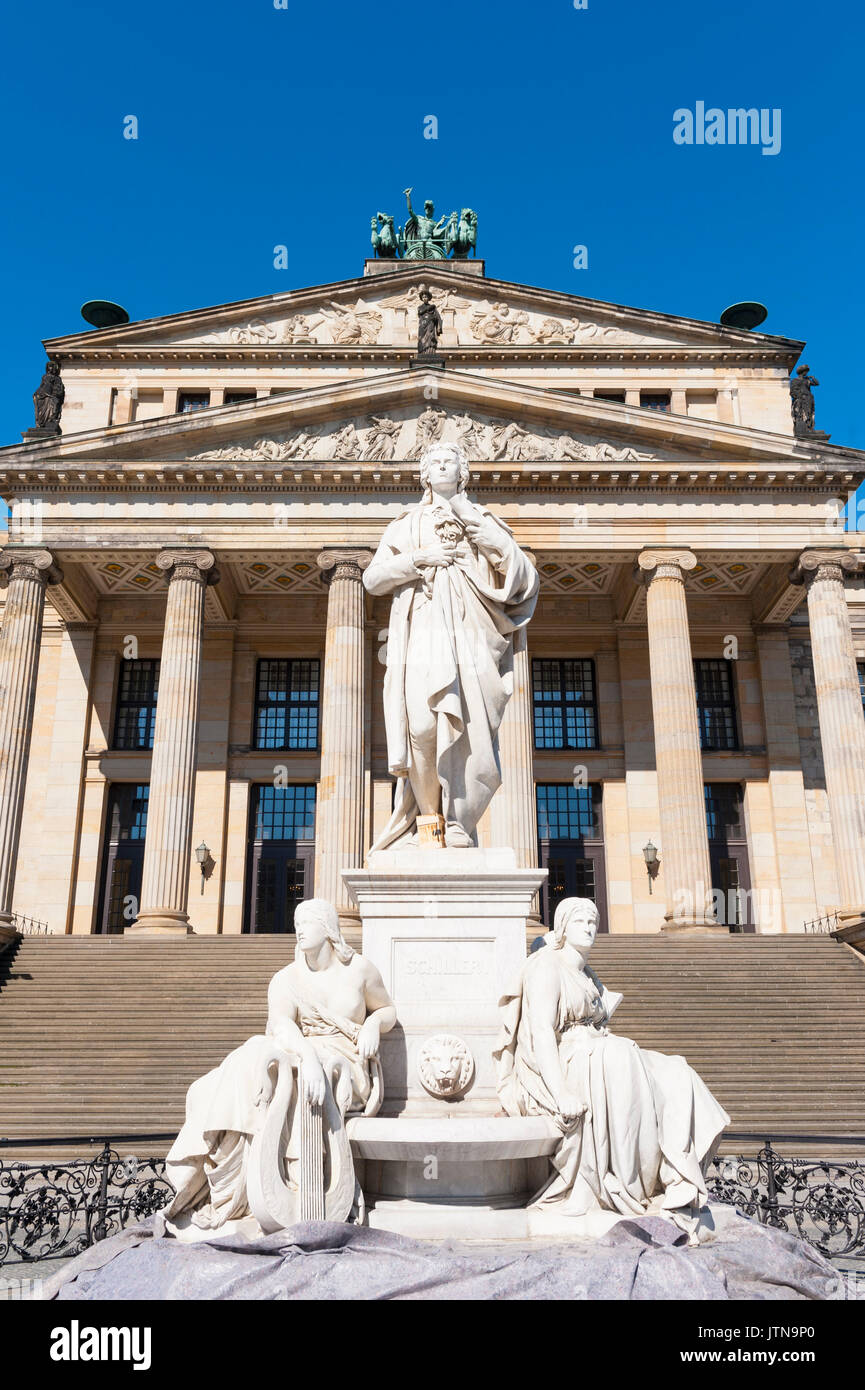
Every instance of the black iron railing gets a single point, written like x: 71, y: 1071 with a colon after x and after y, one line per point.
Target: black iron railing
x: 58, y: 1207
x: 821, y: 1200
x: 30, y: 926
x: 822, y: 926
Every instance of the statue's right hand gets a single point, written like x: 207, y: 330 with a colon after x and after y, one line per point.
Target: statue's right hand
x: 571, y: 1107
x: 313, y: 1082
x: 434, y: 555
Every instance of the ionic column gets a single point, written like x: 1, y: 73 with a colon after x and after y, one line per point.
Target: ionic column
x: 25, y: 573
x: 681, y: 801
x: 339, y: 809
x: 168, y: 844
x: 513, y: 809
x: 839, y: 709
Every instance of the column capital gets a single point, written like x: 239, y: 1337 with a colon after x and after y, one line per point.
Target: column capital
x: 664, y: 564
x: 824, y: 564
x: 182, y: 563
x: 27, y: 562
x: 343, y: 564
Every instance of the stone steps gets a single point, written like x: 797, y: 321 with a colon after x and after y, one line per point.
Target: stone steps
x: 104, y: 1035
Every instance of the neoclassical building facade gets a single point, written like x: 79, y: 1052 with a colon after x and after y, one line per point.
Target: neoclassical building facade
x: 191, y: 730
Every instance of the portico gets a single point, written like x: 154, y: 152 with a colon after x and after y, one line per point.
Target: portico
x: 192, y: 659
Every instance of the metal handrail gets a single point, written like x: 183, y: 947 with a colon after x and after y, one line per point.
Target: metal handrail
x: 822, y: 926
x: 30, y: 926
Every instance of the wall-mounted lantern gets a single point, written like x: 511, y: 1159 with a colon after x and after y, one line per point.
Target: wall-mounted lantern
x: 202, y: 854
x: 650, y: 854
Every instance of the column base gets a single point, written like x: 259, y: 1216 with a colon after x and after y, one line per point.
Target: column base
x: 160, y: 923
x: 695, y: 927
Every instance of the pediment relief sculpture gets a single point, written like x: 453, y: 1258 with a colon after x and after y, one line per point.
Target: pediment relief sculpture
x: 344, y: 324
x: 392, y: 438
x: 389, y: 320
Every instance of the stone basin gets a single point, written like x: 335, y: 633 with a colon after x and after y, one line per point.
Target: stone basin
x: 442, y: 1176
x: 452, y: 1139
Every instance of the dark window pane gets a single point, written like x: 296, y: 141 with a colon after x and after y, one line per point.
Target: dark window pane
x: 136, y: 704
x: 118, y: 894
x: 295, y: 870
x: 265, y: 896
x: 235, y: 397
x: 566, y: 812
x: 655, y: 400
x: 564, y: 704
x: 716, y: 708
x: 286, y: 704
x: 285, y: 813
x: 724, y: 819
x: 192, y: 400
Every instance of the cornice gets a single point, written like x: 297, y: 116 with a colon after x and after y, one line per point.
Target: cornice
x: 340, y: 478
x: 529, y: 354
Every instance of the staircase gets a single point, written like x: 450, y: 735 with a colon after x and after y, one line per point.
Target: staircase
x: 103, y: 1035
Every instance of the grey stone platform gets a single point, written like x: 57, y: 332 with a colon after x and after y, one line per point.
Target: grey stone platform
x: 643, y: 1259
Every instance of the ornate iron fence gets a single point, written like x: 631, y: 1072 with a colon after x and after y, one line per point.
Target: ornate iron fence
x: 820, y: 1200
x: 57, y: 1208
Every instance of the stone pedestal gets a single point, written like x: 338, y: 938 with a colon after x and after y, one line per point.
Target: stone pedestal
x: 339, y: 812
x: 375, y: 266
x: 25, y: 573
x: 37, y: 433
x: 168, y: 846
x: 447, y: 930
x: 839, y: 708
x: 681, y: 800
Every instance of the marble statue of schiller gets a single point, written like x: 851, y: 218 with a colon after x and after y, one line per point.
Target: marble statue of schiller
x: 461, y: 588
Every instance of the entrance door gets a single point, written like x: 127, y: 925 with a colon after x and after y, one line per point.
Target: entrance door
x: 571, y: 847
x: 123, y: 857
x: 728, y: 856
x: 281, y: 859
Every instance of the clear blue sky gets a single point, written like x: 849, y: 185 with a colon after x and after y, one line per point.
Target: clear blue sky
x: 260, y: 126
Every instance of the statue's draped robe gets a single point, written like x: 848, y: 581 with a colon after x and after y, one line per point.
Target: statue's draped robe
x: 464, y: 622
x: 208, y: 1160
x: 651, y: 1121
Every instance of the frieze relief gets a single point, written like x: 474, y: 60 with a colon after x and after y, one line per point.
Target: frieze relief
x: 391, y: 321
x: 394, y: 438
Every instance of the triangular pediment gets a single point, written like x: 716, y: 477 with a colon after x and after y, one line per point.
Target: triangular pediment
x: 393, y: 416
x: 380, y: 311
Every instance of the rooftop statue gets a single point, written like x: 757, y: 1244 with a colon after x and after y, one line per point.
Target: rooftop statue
x: 461, y: 588
x: 48, y: 399
x: 802, y: 402
x: 425, y: 237
x: 384, y: 241
x: 429, y: 324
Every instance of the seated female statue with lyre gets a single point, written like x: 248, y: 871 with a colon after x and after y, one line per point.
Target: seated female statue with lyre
x: 264, y: 1143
